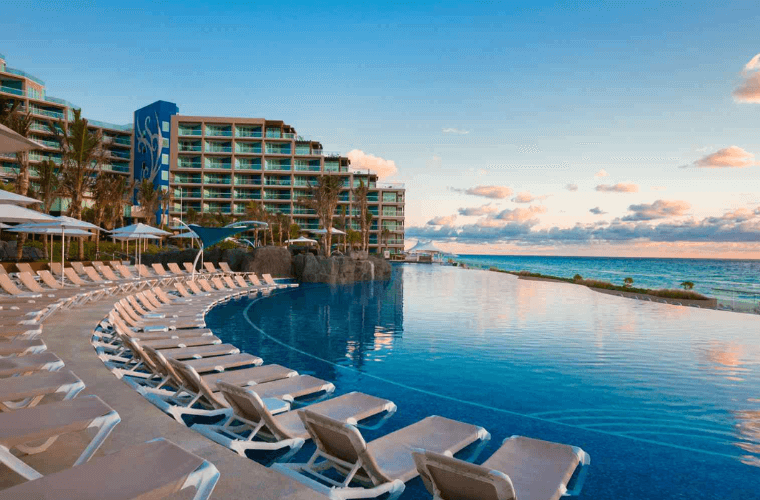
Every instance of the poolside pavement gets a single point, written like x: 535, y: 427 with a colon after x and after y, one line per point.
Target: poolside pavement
x: 67, y: 334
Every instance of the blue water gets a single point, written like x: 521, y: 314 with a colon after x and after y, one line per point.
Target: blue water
x: 706, y: 274
x: 665, y: 399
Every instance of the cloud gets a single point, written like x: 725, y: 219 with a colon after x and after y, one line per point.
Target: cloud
x: 361, y: 160
x: 456, y: 131
x: 493, y: 192
x: 737, y: 226
x: 749, y: 89
x: 447, y: 220
x: 526, y: 197
x: 478, y: 211
x: 572, y: 187
x: 753, y: 63
x: 522, y: 215
x: 618, y: 188
x: 597, y: 211
x: 730, y: 157
x: 658, y: 188
x: 660, y: 209
x: 601, y: 173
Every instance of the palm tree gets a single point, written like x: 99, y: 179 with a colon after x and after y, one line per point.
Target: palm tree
x: 82, y: 154
x: 384, y: 234
x: 149, y: 199
x: 46, y: 189
x: 367, y: 224
x: 255, y: 211
x: 121, y: 197
x: 102, y: 196
x: 19, y: 122
x: 360, y: 196
x: 324, y: 200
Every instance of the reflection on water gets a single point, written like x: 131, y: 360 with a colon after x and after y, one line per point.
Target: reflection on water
x: 618, y: 377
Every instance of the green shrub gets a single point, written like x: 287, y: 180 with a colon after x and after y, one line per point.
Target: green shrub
x: 577, y: 277
x: 678, y: 294
x: 687, y: 285
x: 628, y: 282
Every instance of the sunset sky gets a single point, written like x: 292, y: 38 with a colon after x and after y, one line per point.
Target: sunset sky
x: 539, y: 128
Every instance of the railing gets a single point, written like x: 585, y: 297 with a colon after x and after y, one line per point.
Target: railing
x: 248, y: 166
x: 124, y: 141
x: 276, y: 196
x: 218, y: 166
x: 44, y: 112
x: 120, y: 154
x: 217, y: 180
x: 9, y: 171
x: 112, y: 126
x: 186, y: 194
x: 11, y: 90
x: 747, y: 301
x: 189, y: 131
x: 115, y: 168
x: 218, y: 149
x: 189, y: 164
x: 242, y: 150
x: 307, y: 168
x: 222, y: 209
x: 248, y: 134
x: 187, y: 180
x: 218, y: 133
x: 51, y: 144
x: 247, y: 196
x: 62, y: 102
x: 210, y: 194
x: 277, y: 151
x: 390, y: 185
x: 247, y: 181
x: 331, y: 154
x: 18, y: 72
x: 277, y: 167
x: 288, y: 135
x: 189, y: 149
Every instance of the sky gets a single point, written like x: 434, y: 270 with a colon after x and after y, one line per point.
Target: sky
x: 561, y: 128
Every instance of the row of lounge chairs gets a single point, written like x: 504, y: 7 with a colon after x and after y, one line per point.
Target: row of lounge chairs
x: 40, y: 403
x: 38, y: 397
x: 187, y: 372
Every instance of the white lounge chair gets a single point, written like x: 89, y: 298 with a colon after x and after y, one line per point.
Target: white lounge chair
x: 522, y: 468
x: 380, y: 466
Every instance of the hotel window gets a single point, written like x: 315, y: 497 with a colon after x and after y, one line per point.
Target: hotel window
x: 165, y: 126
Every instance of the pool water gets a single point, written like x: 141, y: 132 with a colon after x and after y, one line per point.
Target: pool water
x: 665, y: 399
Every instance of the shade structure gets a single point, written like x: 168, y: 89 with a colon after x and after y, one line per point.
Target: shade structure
x: 425, y: 247
x: 4, y: 226
x: 324, y: 231
x: 17, y: 199
x: 12, y: 142
x: 302, y: 241
x: 18, y: 214
x: 35, y: 229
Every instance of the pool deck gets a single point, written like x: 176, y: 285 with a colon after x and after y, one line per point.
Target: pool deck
x: 67, y: 334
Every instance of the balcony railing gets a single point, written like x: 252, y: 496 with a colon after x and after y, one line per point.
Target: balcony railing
x: 255, y: 195
x: 187, y: 180
x: 11, y: 90
x: 217, y: 180
x: 181, y: 193
x: 248, y: 134
x: 248, y: 166
x: 225, y: 209
x: 189, y: 164
x: 240, y: 148
x: 189, y: 131
x: 210, y: 132
x: 390, y: 185
x: 123, y: 169
x: 213, y: 194
x: 218, y: 165
x: 187, y: 148
x: 44, y: 112
x: 247, y: 181
x: 120, y: 154
x: 218, y: 149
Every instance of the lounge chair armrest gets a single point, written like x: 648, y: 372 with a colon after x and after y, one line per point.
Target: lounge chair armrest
x: 584, y: 461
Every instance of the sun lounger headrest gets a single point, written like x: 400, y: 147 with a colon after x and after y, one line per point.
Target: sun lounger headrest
x: 244, y: 402
x: 336, y: 438
x: 448, y: 477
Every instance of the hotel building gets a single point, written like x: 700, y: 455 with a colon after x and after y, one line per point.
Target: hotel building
x: 46, y: 110
x: 214, y: 164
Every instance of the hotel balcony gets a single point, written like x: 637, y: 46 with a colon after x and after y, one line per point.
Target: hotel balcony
x: 248, y: 132
x: 244, y: 194
x: 218, y: 164
x: 245, y: 180
x: 252, y: 148
x: 277, y: 181
x: 277, y: 195
x: 308, y: 166
x: 248, y: 164
x: 278, y: 165
x: 213, y: 208
x: 124, y: 155
x: 122, y: 168
x: 278, y: 149
x: 209, y: 194
x: 187, y: 179
x: 189, y: 147
x: 218, y: 130
x: 189, y: 129
x: 187, y: 193
x: 189, y: 162
x: 218, y: 147
x: 208, y: 179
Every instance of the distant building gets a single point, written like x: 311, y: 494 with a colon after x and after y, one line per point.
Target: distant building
x: 30, y: 92
x: 214, y: 164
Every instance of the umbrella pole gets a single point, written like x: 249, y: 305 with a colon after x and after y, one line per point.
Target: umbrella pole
x: 63, y: 239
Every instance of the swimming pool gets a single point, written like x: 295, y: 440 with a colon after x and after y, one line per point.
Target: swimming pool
x: 665, y: 399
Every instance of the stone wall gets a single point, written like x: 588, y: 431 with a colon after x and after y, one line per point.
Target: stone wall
x: 270, y: 260
x: 339, y: 270
x: 8, y: 252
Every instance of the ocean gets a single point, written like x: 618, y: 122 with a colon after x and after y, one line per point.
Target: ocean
x: 721, y: 278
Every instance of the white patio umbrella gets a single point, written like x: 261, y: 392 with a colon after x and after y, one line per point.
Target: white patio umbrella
x: 12, y: 142
x: 15, y: 213
x: 65, y: 223
x: 138, y: 232
x: 36, y: 229
x: 324, y: 231
x: 191, y: 235
x: 17, y: 199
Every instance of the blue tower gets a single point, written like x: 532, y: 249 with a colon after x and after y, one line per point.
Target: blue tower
x: 151, y: 144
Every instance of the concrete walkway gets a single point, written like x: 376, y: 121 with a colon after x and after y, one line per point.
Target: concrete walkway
x: 67, y: 334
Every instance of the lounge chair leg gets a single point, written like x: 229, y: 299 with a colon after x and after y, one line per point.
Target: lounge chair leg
x: 17, y: 465
x: 106, y: 423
